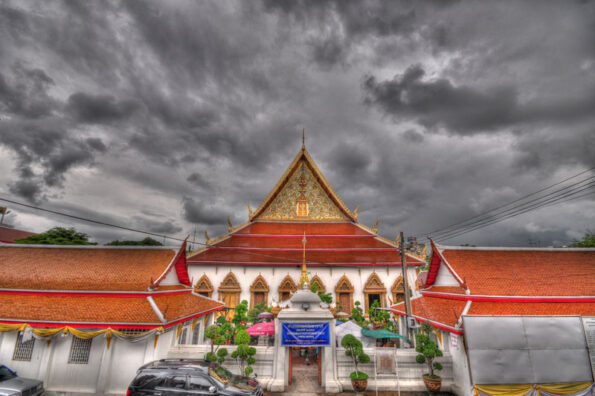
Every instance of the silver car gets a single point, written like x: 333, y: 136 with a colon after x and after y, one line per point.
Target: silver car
x: 13, y: 385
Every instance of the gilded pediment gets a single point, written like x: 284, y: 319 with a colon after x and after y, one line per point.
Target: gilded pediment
x: 304, y: 194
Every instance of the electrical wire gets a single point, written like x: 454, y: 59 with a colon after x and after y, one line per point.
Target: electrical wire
x: 434, y: 232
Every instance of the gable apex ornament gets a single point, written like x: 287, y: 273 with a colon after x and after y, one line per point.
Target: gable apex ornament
x: 207, y: 238
x: 376, y: 225
x: 229, y: 225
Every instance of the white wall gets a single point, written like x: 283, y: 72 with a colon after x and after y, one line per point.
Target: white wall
x: 274, y: 275
x: 109, y: 371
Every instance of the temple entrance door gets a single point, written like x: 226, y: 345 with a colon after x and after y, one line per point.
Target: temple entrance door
x: 304, y: 374
x: 345, y: 301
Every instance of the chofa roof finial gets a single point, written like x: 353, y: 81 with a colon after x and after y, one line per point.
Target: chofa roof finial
x: 303, y: 138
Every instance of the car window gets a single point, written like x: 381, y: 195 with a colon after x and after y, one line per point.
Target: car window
x: 6, y: 373
x: 178, y: 382
x: 147, y: 380
x: 199, y: 383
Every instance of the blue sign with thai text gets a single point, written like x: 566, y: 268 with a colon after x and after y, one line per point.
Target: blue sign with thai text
x: 305, y: 334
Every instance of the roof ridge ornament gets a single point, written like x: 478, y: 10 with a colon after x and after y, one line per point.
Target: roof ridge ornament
x: 376, y: 225
x: 303, y: 139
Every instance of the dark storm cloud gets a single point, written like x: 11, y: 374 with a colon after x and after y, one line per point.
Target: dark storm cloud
x: 200, y: 213
x: 99, y: 109
x: 26, y: 93
x: 464, y: 110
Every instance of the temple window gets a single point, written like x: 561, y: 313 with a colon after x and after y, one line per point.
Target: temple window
x: 286, y: 288
x: 318, y: 282
x: 229, y: 293
x: 374, y: 290
x: 344, y: 294
x: 259, y: 292
x: 204, y: 287
x: 397, y: 290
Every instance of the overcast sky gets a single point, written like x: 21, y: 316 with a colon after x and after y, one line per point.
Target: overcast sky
x: 171, y: 116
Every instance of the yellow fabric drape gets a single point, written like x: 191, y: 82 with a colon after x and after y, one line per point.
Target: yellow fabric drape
x: 155, y: 341
x: 12, y: 327
x: 564, y: 389
x: 497, y: 390
x: 85, y: 334
x: 179, y: 331
x: 46, y: 332
x: 194, y: 323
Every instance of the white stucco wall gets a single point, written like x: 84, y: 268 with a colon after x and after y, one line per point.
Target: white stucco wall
x: 109, y: 371
x: 274, y: 275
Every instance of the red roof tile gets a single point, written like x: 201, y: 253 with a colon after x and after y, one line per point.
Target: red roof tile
x: 525, y: 272
x: 264, y: 243
x: 9, y: 235
x: 529, y: 309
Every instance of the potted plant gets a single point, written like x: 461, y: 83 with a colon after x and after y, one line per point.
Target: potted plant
x: 353, y: 347
x: 428, y: 351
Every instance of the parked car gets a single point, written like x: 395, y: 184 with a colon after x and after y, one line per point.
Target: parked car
x: 12, y: 384
x: 178, y: 377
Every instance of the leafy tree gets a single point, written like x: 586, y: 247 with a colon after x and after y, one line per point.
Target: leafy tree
x: 244, y: 354
x: 148, y: 241
x: 57, y: 236
x: 380, y: 317
x: 219, y: 334
x: 588, y: 241
x: 428, y: 350
x: 354, y: 348
x: 240, y: 318
x: 252, y: 316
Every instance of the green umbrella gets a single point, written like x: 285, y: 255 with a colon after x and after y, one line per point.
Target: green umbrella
x: 382, y: 333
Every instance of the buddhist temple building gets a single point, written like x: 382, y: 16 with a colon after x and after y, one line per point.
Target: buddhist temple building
x: 510, y: 316
x: 84, y: 318
x: 260, y: 261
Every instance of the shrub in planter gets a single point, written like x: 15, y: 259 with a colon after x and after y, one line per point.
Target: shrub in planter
x: 353, y: 347
x: 428, y: 351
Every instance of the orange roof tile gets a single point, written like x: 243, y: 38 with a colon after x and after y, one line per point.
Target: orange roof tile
x: 77, y: 268
x: 76, y: 309
x: 524, y: 272
x: 445, y: 289
x: 178, y: 306
x: 435, y: 309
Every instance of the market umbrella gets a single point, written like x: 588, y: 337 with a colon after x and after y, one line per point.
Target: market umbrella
x: 261, y: 329
x: 382, y: 333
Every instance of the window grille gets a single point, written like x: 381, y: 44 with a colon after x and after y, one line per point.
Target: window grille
x: 182, y: 338
x: 195, y: 334
x: 80, y: 350
x: 23, y: 350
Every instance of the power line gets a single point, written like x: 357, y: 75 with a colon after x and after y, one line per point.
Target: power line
x: 576, y: 187
x: 549, y: 202
x: 505, y: 205
x: 139, y: 231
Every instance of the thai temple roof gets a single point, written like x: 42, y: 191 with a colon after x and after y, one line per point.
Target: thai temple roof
x: 504, y: 281
x: 302, y: 203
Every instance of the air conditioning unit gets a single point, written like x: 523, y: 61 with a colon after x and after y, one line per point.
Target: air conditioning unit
x: 412, y: 323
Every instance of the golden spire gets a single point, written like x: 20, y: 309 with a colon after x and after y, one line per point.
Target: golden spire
x: 304, y: 278
x: 303, y: 138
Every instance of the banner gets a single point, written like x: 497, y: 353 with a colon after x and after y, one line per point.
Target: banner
x: 305, y: 334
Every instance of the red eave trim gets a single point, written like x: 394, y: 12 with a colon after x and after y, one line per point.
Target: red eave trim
x: 300, y: 236
x: 83, y: 325
x: 336, y: 250
x: 525, y: 299
x: 297, y: 264
x: 431, y: 322
x: 74, y: 293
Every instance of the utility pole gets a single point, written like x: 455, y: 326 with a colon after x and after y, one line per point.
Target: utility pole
x: 405, y: 287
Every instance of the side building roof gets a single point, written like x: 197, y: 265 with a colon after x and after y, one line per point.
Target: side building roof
x: 504, y: 281
x: 98, y: 287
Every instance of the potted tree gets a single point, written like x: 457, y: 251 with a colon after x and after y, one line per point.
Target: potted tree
x: 428, y: 351
x: 353, y: 347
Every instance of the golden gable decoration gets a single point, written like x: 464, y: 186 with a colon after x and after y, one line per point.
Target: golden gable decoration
x: 287, y: 285
x: 397, y: 286
x: 344, y: 285
x: 303, y: 193
x: 204, y: 285
x: 259, y: 284
x: 374, y: 284
x: 317, y: 281
x: 230, y: 284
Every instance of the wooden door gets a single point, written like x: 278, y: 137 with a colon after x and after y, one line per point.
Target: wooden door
x: 345, y: 301
x: 230, y: 299
x: 258, y: 298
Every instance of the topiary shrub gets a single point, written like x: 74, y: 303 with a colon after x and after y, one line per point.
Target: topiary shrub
x: 428, y: 351
x: 354, y: 348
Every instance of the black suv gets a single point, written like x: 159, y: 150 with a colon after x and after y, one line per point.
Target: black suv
x: 181, y: 377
